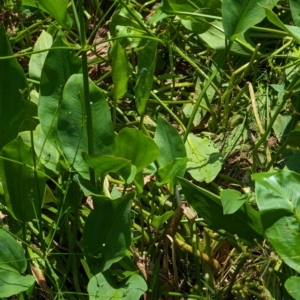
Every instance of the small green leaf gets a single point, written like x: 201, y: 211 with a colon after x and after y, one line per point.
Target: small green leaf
x: 205, y: 160
x: 37, y: 60
x: 146, y: 68
x: 292, y: 286
x: 12, y: 84
x: 245, y: 222
x: 120, y: 70
x: 133, y: 145
x: 106, y: 234
x: 105, y: 286
x: 23, y: 189
x: 231, y: 200
x: 158, y: 221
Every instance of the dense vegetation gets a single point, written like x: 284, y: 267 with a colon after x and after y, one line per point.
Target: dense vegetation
x: 149, y: 150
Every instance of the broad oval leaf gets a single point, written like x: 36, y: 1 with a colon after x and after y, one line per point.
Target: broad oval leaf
x: 12, y: 102
x: 240, y: 15
x: 104, y: 286
x: 245, y: 222
x: 135, y: 146
x: 205, y: 160
x: 278, y: 200
x: 106, y: 234
x: 72, y: 127
x: 58, y: 67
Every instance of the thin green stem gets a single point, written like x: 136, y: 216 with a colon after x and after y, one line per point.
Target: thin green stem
x: 168, y: 110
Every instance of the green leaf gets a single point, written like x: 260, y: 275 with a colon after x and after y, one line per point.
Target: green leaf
x: 293, y: 31
x: 278, y: 200
x: 72, y: 129
x: 37, y: 60
x: 124, y: 25
x: 12, y: 102
x: 240, y: 15
x: 292, y: 286
x: 146, y: 68
x: 12, y: 263
x: 24, y: 190
x: 11, y: 253
x: 120, y: 70
x: 58, y: 67
x: 105, y: 286
x: 245, y: 222
x: 45, y: 151
x: 169, y: 142
x: 12, y: 283
x: 56, y: 8
x: 205, y: 160
x: 158, y: 221
x: 231, y: 200
x: 293, y: 163
x: 104, y: 164
x: 214, y: 37
x: 106, y: 234
x: 295, y: 10
x: 88, y: 188
x: 168, y: 172
x: 136, y: 147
